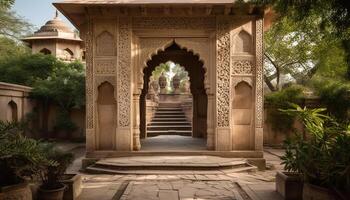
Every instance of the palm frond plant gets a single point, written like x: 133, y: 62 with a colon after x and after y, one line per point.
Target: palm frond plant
x: 51, y: 174
x: 323, y: 157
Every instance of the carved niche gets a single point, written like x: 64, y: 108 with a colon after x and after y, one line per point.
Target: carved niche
x: 105, y: 44
x: 243, y: 42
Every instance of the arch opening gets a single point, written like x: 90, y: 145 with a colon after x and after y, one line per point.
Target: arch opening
x: 12, y: 112
x: 45, y: 51
x: 193, y: 67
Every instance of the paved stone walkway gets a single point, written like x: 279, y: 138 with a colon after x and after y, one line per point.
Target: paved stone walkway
x: 259, y: 185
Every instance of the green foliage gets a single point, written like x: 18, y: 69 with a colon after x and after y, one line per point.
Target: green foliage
x: 26, y: 69
x: 11, y: 48
x: 51, y: 174
x: 282, y: 100
x: 64, y: 123
x: 11, y: 25
x: 323, y: 156
x: 335, y: 96
x: 20, y: 157
x: 170, y: 69
x: 65, y: 86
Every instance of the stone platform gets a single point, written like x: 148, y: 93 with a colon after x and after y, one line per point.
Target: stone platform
x: 170, y: 165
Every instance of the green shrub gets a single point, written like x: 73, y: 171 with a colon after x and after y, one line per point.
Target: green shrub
x: 324, y: 157
x: 64, y: 123
x: 20, y: 157
x: 282, y: 100
x: 334, y: 96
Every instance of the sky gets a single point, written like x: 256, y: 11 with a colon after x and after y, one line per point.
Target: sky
x: 37, y: 12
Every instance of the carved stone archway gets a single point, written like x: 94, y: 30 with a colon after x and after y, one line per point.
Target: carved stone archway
x: 150, y: 47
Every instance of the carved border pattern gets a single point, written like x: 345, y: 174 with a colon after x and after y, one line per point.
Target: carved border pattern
x: 242, y: 67
x: 259, y: 74
x: 223, y: 73
x: 89, y: 75
x: 174, y: 23
x: 105, y: 67
x: 124, y: 73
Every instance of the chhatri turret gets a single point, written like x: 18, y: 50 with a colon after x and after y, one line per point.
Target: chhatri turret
x: 57, y: 39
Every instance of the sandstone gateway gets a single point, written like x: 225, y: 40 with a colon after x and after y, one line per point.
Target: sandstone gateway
x: 219, y: 43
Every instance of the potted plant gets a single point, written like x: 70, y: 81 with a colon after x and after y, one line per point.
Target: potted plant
x: 51, y: 174
x: 20, y: 158
x: 289, y: 183
x: 317, y: 156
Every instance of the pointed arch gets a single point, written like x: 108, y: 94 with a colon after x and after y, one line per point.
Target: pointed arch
x: 45, y: 51
x: 197, y: 47
x: 68, y: 54
x: 12, y: 111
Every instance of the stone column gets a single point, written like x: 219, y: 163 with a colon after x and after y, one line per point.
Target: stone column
x: 136, y: 123
x: 176, y: 84
x: 162, y: 84
x: 210, y: 123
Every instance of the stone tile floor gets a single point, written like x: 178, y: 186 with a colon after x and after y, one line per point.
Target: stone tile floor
x: 173, y: 143
x: 258, y: 185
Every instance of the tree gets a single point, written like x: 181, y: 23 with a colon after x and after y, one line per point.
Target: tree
x: 27, y: 68
x: 11, y: 25
x: 10, y: 48
x: 65, y: 87
x: 332, y: 17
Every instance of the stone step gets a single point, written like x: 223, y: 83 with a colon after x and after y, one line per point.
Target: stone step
x: 153, y: 123
x: 167, y: 164
x: 161, y: 119
x: 157, y: 113
x: 169, y: 128
x: 170, y: 116
x: 169, y: 109
x: 153, y: 133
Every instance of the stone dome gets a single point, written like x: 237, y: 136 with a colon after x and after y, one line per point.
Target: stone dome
x: 55, y: 25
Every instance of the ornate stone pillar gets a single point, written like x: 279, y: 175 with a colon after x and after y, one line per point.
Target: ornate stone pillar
x: 162, y: 84
x: 90, y: 128
x: 223, y: 46
x: 259, y: 93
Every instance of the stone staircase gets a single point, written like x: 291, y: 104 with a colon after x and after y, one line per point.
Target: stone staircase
x: 170, y: 165
x: 169, y: 119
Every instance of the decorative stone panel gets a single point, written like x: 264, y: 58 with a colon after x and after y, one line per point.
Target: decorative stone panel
x: 223, y: 73
x: 107, y: 66
x: 259, y: 74
x: 89, y: 75
x: 124, y: 72
x: 174, y: 23
x: 241, y: 67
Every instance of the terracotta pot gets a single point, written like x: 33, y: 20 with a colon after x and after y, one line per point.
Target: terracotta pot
x: 289, y: 185
x: 20, y: 191
x: 73, y: 183
x: 314, y: 192
x: 55, y: 194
